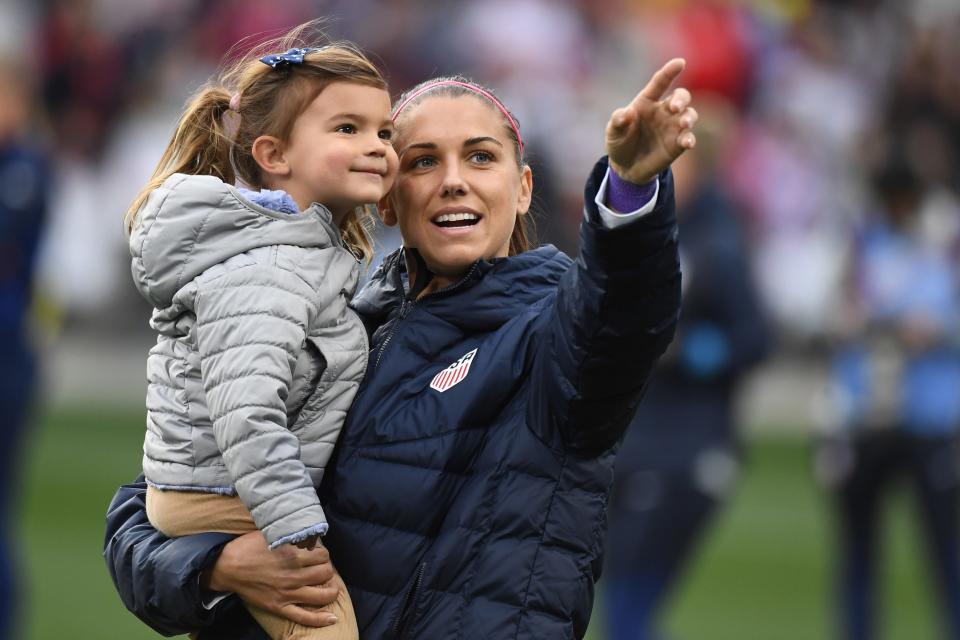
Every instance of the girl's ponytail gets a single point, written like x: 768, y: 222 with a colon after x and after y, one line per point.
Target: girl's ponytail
x: 199, y: 146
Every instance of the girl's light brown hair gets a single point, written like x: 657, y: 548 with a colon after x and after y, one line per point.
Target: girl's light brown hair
x: 453, y: 87
x: 213, y: 139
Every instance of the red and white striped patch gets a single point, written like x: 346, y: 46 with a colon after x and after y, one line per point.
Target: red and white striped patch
x: 454, y: 374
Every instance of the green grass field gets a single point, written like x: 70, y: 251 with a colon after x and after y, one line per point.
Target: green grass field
x: 762, y: 574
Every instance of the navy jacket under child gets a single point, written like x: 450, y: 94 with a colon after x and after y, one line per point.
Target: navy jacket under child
x: 478, y: 511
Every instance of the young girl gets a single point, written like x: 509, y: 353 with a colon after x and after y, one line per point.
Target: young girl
x: 258, y: 356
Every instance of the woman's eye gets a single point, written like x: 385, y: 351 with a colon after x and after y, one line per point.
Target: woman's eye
x: 481, y: 156
x: 422, y: 162
x: 385, y: 134
x: 346, y: 128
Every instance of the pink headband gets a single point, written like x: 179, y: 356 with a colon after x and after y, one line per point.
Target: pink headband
x: 456, y: 83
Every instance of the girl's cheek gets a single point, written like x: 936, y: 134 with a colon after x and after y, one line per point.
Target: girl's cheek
x: 388, y: 183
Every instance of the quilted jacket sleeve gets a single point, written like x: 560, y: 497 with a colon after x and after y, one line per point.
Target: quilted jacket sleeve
x: 614, y: 314
x: 158, y: 579
x: 251, y: 325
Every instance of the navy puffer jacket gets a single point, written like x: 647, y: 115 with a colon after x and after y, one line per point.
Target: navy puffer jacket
x: 471, y: 503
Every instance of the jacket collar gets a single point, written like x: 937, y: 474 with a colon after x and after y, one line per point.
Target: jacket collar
x: 193, y: 222
x: 489, y: 294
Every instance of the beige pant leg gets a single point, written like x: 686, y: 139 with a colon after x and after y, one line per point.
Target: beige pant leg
x: 282, y: 629
x: 183, y: 513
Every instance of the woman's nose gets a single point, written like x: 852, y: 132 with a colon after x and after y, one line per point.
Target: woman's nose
x: 453, y: 182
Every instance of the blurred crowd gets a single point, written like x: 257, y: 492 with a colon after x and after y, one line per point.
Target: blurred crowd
x: 829, y: 136
x: 811, y: 100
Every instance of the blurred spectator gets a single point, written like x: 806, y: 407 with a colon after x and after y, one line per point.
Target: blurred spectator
x: 82, y: 72
x: 795, y: 168
x: 679, y: 460
x: 716, y: 38
x: 24, y: 180
x: 895, y: 381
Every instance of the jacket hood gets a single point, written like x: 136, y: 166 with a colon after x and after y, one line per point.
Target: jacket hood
x: 491, y: 293
x: 193, y: 222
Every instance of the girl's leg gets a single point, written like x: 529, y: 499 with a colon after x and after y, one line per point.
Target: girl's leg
x: 184, y: 513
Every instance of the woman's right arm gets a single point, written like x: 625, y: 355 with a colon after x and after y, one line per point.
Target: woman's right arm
x: 159, y: 579
x: 616, y: 308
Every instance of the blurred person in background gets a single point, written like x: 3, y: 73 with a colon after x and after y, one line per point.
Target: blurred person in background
x: 680, y: 457
x: 794, y: 168
x: 896, y: 397
x: 24, y: 182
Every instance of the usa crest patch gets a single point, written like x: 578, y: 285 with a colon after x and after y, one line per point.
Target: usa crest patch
x: 454, y: 374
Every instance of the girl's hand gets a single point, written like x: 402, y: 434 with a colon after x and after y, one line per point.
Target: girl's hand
x: 308, y: 543
x: 284, y: 581
x: 652, y: 131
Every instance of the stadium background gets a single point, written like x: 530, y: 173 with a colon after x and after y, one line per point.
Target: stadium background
x: 803, y: 95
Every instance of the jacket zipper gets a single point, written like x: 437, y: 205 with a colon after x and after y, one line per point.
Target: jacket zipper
x: 407, y: 306
x: 404, y: 310
x: 409, y: 602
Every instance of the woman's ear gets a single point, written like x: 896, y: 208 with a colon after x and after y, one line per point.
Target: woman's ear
x: 525, y: 195
x: 385, y: 210
x: 267, y: 151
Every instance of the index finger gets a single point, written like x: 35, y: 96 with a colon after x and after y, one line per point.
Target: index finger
x: 661, y: 80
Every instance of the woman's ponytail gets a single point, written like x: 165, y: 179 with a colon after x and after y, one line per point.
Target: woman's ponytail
x: 520, y: 239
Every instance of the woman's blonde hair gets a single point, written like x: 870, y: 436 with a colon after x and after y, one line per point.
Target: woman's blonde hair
x: 215, y: 137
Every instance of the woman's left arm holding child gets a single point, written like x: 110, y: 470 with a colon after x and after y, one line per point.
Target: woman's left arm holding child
x: 287, y: 580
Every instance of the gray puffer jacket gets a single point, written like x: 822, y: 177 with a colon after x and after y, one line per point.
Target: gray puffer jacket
x: 258, y: 357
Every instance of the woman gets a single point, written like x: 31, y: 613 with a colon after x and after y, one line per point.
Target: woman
x: 468, y: 494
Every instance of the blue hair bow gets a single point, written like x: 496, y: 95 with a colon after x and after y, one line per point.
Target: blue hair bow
x: 283, y: 60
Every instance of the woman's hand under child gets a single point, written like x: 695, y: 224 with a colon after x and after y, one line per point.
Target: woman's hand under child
x: 285, y: 581
x: 652, y: 131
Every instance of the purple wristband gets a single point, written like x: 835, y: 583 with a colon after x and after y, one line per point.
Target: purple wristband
x: 624, y: 197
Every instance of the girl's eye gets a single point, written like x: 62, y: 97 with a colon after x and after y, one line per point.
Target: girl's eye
x: 385, y: 134
x: 346, y: 128
x: 481, y: 156
x: 422, y: 162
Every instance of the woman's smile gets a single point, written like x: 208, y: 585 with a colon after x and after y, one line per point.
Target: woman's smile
x: 456, y: 221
